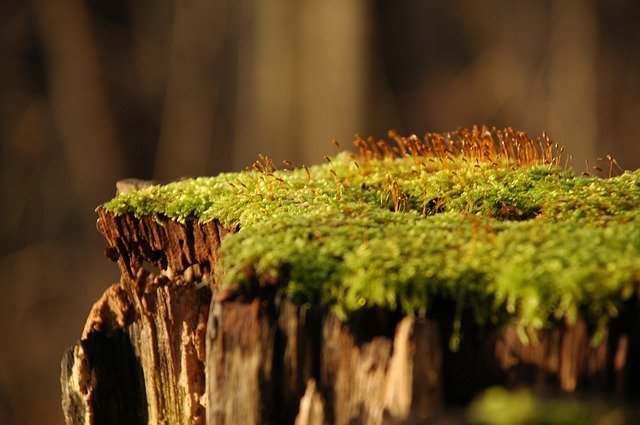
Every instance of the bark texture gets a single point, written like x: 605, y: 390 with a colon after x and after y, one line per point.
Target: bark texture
x: 161, y: 346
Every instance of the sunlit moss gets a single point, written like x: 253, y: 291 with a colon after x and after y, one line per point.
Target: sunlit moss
x: 511, y: 241
x: 499, y: 406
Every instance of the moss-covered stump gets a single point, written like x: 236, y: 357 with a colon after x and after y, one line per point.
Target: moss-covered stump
x: 386, y: 288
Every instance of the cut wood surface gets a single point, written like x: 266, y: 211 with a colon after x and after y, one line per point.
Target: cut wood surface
x: 161, y: 347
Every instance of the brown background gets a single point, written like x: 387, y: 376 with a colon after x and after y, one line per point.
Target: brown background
x: 95, y: 91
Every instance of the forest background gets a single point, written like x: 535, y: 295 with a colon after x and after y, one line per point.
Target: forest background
x: 99, y: 90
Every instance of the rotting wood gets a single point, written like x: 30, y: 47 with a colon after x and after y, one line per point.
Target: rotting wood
x: 150, y: 330
x: 312, y: 406
x: 390, y: 374
x: 153, y: 324
x: 164, y: 244
x: 263, y: 349
x: 269, y: 351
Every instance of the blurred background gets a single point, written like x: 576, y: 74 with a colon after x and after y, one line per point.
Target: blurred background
x: 99, y: 90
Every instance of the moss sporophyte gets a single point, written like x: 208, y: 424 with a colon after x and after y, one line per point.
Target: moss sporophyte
x: 489, y: 219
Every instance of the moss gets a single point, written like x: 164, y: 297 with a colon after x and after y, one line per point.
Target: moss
x: 498, y: 406
x: 509, y: 236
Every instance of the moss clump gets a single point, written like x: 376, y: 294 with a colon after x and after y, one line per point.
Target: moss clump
x: 487, y: 219
x: 498, y: 406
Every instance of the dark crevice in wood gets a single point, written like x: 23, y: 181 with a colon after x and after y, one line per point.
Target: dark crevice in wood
x: 367, y: 324
x: 120, y: 393
x: 110, y: 386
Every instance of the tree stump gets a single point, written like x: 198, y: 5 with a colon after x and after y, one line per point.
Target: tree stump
x: 392, y: 288
x: 159, y: 348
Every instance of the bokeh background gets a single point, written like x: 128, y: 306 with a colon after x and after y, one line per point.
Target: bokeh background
x: 92, y: 91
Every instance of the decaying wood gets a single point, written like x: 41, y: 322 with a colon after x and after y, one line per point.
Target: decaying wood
x: 312, y: 406
x: 102, y: 382
x: 148, y: 328
x: 164, y: 244
x: 154, y: 332
x: 159, y: 348
x: 389, y: 374
x: 273, y: 353
x: 267, y: 351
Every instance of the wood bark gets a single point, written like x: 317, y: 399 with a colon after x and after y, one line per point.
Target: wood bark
x: 162, y: 346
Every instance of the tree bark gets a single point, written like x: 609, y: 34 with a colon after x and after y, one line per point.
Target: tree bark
x: 162, y: 346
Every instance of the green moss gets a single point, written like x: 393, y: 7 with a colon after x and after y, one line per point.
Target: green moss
x: 498, y: 406
x: 522, y: 243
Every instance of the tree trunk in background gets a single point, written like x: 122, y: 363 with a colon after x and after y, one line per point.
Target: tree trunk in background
x: 196, y: 75
x: 572, y: 111
x: 278, y: 76
x: 78, y: 100
x: 533, y: 66
x: 159, y: 348
x: 302, y: 78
